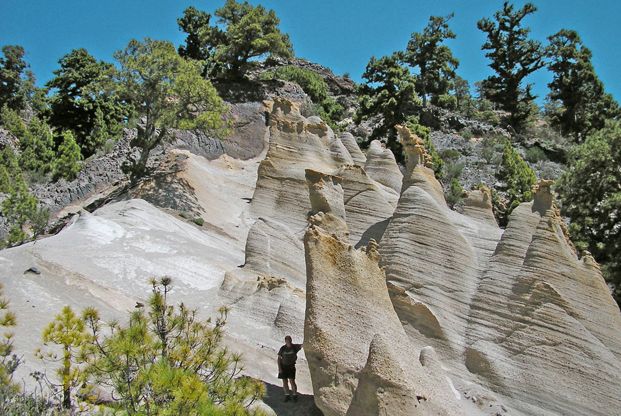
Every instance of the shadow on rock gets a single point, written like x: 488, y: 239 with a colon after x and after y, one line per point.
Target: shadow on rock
x: 305, y: 406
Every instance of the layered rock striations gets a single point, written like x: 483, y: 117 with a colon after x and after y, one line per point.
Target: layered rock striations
x: 361, y: 360
x: 512, y: 320
x: 280, y: 204
x: 411, y: 308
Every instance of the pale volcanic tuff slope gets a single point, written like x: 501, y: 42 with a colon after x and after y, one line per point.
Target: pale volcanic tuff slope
x: 448, y: 315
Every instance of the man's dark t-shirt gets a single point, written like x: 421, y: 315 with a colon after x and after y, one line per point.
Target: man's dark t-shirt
x: 289, y: 355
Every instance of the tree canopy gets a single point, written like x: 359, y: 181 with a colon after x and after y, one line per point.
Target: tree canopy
x: 513, y: 56
x: 168, y: 92
x: 434, y: 60
x: 16, y: 80
x: 84, y: 100
x: 389, y: 92
x: 590, y: 191
x: 583, y: 104
x: 242, y: 34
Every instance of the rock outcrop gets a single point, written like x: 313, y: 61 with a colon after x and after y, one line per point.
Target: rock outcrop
x: 406, y: 306
x: 361, y: 360
x: 497, y: 315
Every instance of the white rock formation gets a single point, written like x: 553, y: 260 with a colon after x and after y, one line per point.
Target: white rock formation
x: 361, y: 360
x: 459, y: 317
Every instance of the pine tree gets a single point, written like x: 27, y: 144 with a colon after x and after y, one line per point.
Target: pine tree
x: 583, y: 104
x: 67, y: 163
x: 434, y: 60
x: 37, y: 147
x: 243, y: 33
x: 66, y: 332
x: 8, y: 360
x: 167, y: 361
x: 20, y: 208
x: 390, y: 94
x: 590, y: 192
x: 85, y: 98
x: 513, y: 57
x: 519, y: 179
x: 169, y: 92
x: 16, y: 81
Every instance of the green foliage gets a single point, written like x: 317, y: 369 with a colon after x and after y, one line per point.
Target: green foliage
x: 8, y: 360
x: 483, y: 110
x: 19, y: 208
x: 518, y: 177
x: 535, y: 154
x: 316, y: 88
x: 37, y: 147
x: 199, y: 221
x: 67, y: 163
x: 16, y: 81
x: 85, y: 100
x: 455, y: 194
x: 445, y: 101
x: 243, y: 34
x: 36, y: 141
x: 463, y: 98
x: 67, y: 334
x: 435, y: 62
x: 590, y: 192
x: 466, y: 133
x: 15, y: 403
x: 388, y: 93
x: 413, y: 124
x: 491, y: 148
x: 169, y: 92
x: 450, y: 154
x: 513, y: 56
x: 167, y: 361
x: 583, y: 105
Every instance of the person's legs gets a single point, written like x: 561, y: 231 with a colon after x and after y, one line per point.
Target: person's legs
x: 294, y: 388
x: 285, y: 386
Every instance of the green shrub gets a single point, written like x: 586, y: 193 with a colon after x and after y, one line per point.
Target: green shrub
x: 68, y: 158
x: 199, y: 221
x: 590, y: 192
x: 20, y: 208
x: 518, y: 177
x: 311, y: 82
x: 167, y: 361
x: 452, y: 170
x: 315, y: 86
x: 455, y: 194
x: 467, y: 133
x: 421, y: 131
x: 446, y: 101
x: 450, y: 154
x: 535, y: 154
x: 491, y: 147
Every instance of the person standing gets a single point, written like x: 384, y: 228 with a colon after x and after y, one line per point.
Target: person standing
x: 287, y: 356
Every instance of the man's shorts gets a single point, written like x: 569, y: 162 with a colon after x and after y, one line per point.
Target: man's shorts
x: 288, y: 372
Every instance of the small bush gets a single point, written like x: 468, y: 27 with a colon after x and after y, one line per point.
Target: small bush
x: 421, y: 131
x: 199, y: 221
x: 13, y: 403
x: 446, y: 101
x: 535, y: 154
x: 455, y: 194
x: 518, y: 177
x: 467, y: 134
x: 316, y: 88
x: 453, y: 170
x: 450, y: 154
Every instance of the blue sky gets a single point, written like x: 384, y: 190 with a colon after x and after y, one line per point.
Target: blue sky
x: 341, y: 34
